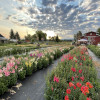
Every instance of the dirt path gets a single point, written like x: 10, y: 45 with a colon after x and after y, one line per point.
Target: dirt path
x: 96, y: 61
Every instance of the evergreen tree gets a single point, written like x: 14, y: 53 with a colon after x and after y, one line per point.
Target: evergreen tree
x: 17, y: 36
x: 12, y: 36
x: 57, y: 39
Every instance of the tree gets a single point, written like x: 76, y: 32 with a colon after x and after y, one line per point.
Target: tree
x: 98, y: 30
x: 17, y: 36
x: 12, y: 36
x: 28, y: 37
x: 79, y: 35
x: 57, y: 39
x: 75, y: 37
x: 41, y: 35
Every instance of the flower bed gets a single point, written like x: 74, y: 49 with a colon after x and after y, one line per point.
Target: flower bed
x: 95, y: 49
x: 74, y: 78
x: 13, y: 68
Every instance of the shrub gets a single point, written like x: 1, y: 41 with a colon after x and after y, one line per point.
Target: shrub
x: 3, y: 88
x: 21, y: 74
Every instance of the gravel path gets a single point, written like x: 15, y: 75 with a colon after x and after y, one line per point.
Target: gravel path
x: 96, y: 61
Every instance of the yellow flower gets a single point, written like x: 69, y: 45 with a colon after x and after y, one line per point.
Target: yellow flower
x: 26, y: 63
x: 30, y: 64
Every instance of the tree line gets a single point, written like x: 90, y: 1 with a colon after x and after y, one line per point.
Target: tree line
x: 14, y: 35
x: 41, y: 36
x: 38, y: 36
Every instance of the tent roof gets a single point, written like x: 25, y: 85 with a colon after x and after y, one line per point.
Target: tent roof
x: 83, y: 40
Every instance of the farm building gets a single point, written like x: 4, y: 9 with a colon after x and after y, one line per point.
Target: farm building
x: 92, y: 37
x: 2, y: 39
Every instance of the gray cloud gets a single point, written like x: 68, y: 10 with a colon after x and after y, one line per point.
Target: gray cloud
x: 59, y: 16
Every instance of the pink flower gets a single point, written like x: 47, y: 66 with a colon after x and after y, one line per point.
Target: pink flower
x: 76, y: 76
x: 7, y: 73
x: 16, y: 67
x: 82, y: 78
x: 86, y: 53
x: 52, y: 88
x: 62, y: 60
x: 1, y: 70
x: 18, y: 62
x: 56, y: 79
x: 13, y: 71
x: 31, y: 55
x: 80, y: 71
x: 88, y: 98
x: 72, y: 78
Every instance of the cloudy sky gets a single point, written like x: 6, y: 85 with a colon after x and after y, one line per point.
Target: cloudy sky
x: 62, y: 17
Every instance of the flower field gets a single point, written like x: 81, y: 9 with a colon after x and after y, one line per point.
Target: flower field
x: 74, y: 78
x: 95, y: 50
x: 13, y: 68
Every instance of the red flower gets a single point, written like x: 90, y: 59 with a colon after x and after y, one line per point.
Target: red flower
x: 84, y: 58
x: 82, y: 78
x: 74, y: 87
x: 84, y: 90
x: 80, y: 64
x: 68, y: 91
x: 72, y: 78
x: 73, y: 69
x: 80, y: 71
x: 88, y: 98
x: 71, y: 84
x: 76, y: 61
x: 66, y: 97
x: 78, y: 84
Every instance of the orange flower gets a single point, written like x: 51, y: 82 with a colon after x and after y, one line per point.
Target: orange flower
x: 89, y: 85
x: 71, y: 84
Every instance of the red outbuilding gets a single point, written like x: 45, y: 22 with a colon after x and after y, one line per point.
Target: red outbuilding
x: 92, y: 37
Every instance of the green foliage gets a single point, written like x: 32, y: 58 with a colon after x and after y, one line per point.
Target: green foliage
x: 98, y: 30
x: 57, y: 90
x: 45, y: 62
x: 3, y: 88
x: 13, y: 79
x: 22, y: 74
x: 95, y: 50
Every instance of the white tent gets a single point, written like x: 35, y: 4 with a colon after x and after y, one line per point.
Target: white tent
x: 83, y: 40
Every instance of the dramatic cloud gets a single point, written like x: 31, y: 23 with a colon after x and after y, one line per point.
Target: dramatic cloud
x: 64, y: 17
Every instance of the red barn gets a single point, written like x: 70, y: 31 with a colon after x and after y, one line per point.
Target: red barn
x: 92, y: 37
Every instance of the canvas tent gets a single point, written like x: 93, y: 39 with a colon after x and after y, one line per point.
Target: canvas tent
x: 83, y: 40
